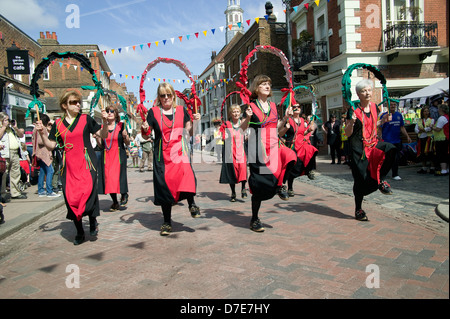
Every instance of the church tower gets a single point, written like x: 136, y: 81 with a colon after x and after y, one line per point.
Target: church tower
x: 235, y: 15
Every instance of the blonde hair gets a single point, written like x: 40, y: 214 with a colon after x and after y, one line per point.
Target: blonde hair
x: 257, y: 81
x: 166, y: 87
x: 234, y: 107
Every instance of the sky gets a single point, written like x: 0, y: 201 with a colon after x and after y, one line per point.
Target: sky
x: 114, y: 24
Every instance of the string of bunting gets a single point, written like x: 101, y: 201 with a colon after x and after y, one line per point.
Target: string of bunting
x: 196, y: 35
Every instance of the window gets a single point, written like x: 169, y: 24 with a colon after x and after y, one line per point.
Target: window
x: 31, y: 60
x: 46, y: 74
x: 403, y: 11
x: 255, y: 56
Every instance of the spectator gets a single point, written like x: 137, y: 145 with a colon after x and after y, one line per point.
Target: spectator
x: 392, y: 128
x: 28, y: 139
x: 441, y: 137
x: 425, y: 147
x: 435, y: 102
x: 44, y: 160
x: 11, y: 152
x: 332, y: 129
x: 146, y: 145
x: 134, y: 152
x: 345, y: 151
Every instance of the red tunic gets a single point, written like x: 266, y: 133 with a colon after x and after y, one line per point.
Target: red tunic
x: 79, y: 175
x: 302, y: 144
x: 272, y: 159
x: 374, y: 155
x: 234, y: 168
x: 173, y: 171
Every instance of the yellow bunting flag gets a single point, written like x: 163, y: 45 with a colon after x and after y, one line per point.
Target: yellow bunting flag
x: 317, y: 2
x: 204, y: 32
x: 257, y: 20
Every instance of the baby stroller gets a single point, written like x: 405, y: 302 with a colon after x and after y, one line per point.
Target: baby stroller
x: 23, y: 182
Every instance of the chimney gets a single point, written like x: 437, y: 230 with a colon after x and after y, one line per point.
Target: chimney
x: 47, y: 35
x: 54, y: 36
x: 213, y: 55
x: 41, y: 35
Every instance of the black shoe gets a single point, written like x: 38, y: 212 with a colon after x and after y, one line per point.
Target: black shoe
x: 290, y: 192
x: 195, y: 211
x: 233, y: 197
x: 282, y: 193
x: 114, y: 207
x: 166, y: 229
x: 361, y: 215
x: 385, y: 188
x: 20, y: 197
x: 256, y: 226
x: 244, y: 193
x: 124, y: 200
x: 79, y: 239
x: 2, y: 218
x: 421, y: 171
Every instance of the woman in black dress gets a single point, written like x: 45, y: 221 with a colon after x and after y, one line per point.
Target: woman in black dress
x: 370, y: 159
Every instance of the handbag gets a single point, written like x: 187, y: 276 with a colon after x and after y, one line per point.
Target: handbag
x: 2, y: 165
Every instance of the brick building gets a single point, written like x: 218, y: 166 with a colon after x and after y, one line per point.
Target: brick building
x: 15, y: 89
x: 406, y: 40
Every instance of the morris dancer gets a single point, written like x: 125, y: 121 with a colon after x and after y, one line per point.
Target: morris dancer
x: 298, y: 139
x: 370, y: 159
x: 112, y: 173
x: 269, y: 161
x: 79, y: 172
x: 234, y: 163
x: 173, y: 176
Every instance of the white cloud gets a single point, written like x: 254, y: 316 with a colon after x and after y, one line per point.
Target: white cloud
x: 28, y: 14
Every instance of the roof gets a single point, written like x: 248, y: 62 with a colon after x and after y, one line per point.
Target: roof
x: 220, y: 57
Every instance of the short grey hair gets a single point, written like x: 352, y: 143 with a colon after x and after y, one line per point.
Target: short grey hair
x: 363, y: 84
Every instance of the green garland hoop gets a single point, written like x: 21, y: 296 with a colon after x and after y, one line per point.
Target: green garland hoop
x: 313, y: 103
x: 346, y: 84
x: 39, y: 70
x: 122, y: 102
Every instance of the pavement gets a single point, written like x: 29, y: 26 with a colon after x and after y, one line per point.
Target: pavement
x: 312, y: 247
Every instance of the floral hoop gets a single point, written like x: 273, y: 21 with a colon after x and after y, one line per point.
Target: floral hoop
x: 193, y: 104
x: 346, y: 84
x: 243, y: 81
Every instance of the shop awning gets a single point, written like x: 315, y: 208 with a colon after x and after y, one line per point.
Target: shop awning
x: 423, y: 95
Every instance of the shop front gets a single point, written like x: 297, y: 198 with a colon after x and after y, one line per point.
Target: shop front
x: 16, y: 106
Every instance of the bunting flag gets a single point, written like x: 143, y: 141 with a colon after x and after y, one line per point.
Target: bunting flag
x: 205, y: 32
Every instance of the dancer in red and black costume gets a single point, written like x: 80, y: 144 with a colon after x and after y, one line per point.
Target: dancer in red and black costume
x: 79, y: 172
x: 370, y: 159
x: 269, y: 160
x: 112, y: 173
x: 234, y: 160
x: 297, y: 132
x: 173, y: 177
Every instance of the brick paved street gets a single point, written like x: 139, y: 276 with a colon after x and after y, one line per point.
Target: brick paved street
x: 312, y: 248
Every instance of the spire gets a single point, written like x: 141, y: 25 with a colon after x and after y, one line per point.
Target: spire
x: 234, y: 17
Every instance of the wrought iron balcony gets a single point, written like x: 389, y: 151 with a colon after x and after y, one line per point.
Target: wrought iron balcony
x: 411, y: 35
x: 310, y: 51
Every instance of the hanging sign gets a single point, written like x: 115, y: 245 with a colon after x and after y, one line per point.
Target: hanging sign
x: 18, y: 61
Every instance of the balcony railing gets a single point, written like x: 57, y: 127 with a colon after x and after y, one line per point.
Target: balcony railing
x: 411, y: 35
x: 310, y: 51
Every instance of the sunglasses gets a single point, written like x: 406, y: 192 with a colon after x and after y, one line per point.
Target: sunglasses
x: 74, y: 102
x: 165, y: 96
x: 110, y: 111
